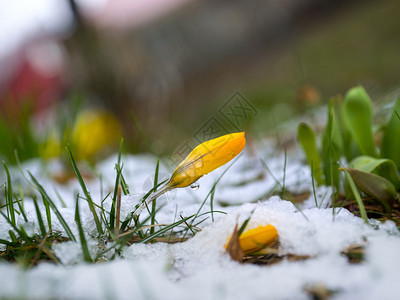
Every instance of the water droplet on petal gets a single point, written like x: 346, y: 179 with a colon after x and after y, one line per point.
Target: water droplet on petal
x: 192, y: 173
x: 199, y: 164
x: 195, y: 186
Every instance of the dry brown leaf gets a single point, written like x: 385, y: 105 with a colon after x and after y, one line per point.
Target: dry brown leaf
x: 233, y: 247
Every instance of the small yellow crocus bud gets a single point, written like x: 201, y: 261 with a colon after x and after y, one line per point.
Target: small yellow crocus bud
x: 255, y: 239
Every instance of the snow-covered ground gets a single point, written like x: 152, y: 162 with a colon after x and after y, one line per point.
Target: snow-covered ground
x: 200, y: 268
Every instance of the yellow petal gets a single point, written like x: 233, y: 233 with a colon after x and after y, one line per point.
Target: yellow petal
x: 258, y: 238
x: 207, y: 157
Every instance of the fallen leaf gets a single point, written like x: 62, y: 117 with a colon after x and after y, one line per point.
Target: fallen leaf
x: 233, y: 247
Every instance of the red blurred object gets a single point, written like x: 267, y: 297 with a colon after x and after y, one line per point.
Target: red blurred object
x: 36, y: 82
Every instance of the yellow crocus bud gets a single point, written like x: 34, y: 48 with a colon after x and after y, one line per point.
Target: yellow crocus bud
x: 253, y: 240
x: 94, y: 132
x: 204, y: 159
x: 207, y: 157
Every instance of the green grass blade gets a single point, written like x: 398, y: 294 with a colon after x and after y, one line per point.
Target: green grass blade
x: 47, y: 199
x: 124, y: 185
x: 60, y: 198
x: 48, y: 213
x: 284, y: 176
x: 84, y: 246
x: 358, y: 115
x: 212, y: 202
x: 243, y: 227
x: 39, y: 217
x: 144, y: 201
x: 9, y: 195
x: 278, y: 184
x: 134, y: 214
x: 165, y: 229
x: 5, y: 242
x: 114, y: 200
x: 12, y: 235
x: 21, y: 207
x: 24, y: 234
x: 213, y: 188
x: 117, y: 183
x: 85, y: 191
x: 356, y: 195
x: 390, y: 147
x: 18, y: 230
x: 313, y: 187
x: 153, y: 204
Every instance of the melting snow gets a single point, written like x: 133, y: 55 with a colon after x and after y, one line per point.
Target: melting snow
x: 200, y: 268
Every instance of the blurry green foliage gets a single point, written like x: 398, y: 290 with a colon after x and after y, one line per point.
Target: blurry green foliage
x: 349, y: 133
x: 17, y: 135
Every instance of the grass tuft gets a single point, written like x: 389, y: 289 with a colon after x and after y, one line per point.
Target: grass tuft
x: 85, y: 191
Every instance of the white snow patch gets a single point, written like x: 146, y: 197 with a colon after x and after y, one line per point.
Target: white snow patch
x: 200, y: 267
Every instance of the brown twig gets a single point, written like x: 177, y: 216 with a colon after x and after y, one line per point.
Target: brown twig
x: 40, y: 248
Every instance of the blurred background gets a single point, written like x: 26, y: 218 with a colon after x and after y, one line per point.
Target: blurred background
x: 162, y: 72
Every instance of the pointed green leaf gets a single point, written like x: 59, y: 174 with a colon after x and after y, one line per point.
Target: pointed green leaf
x: 390, y: 147
x: 331, y: 147
x: 357, y: 109
x: 348, y: 145
x: 306, y: 138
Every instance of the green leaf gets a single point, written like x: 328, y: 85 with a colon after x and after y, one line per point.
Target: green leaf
x: 383, y: 167
x: 377, y: 187
x: 243, y: 227
x: 390, y: 147
x: 84, y: 246
x: 347, y: 141
x: 357, y: 109
x: 306, y: 138
x: 331, y: 148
